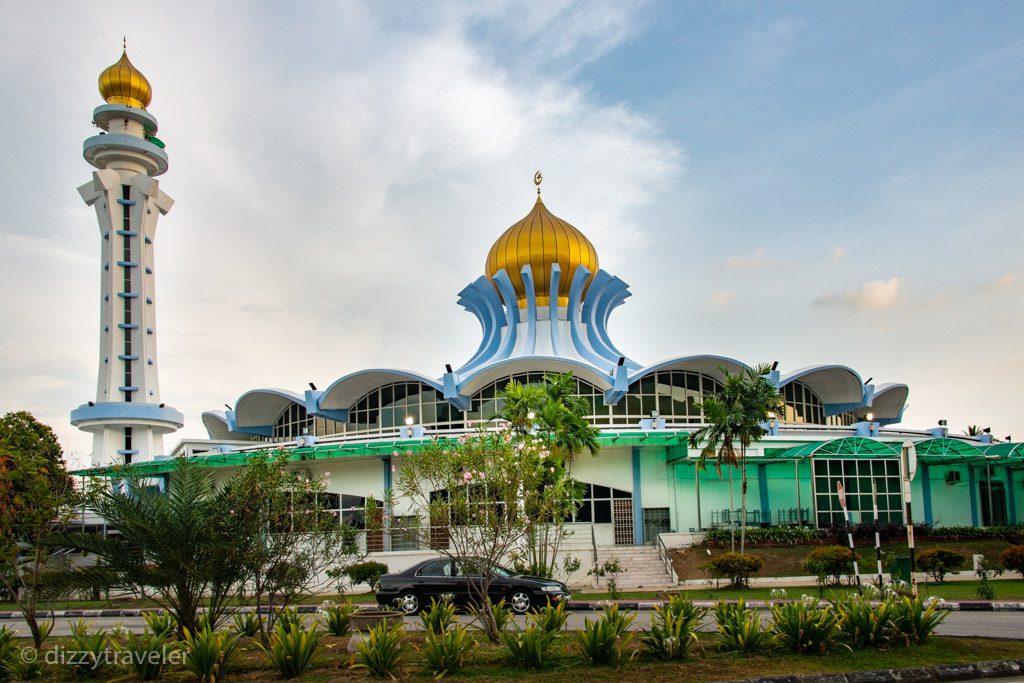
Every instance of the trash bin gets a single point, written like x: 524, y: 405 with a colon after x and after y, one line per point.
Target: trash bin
x: 901, y: 570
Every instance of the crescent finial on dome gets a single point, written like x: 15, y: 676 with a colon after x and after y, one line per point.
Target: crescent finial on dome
x: 122, y: 83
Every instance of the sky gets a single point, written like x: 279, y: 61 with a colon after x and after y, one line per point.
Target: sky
x: 802, y: 182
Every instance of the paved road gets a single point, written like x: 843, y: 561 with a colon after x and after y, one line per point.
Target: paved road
x: 984, y: 624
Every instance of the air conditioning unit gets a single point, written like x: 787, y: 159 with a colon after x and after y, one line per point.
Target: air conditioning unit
x: 953, y: 477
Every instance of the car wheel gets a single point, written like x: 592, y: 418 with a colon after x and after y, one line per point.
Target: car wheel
x: 519, y: 601
x: 409, y: 602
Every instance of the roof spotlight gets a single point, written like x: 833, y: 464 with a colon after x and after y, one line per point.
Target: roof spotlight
x: 775, y: 366
x: 942, y: 423
x: 868, y: 380
x: 448, y: 368
x: 986, y: 430
x: 622, y: 360
x: 870, y: 417
x: 409, y: 420
x: 312, y: 386
x: 228, y: 407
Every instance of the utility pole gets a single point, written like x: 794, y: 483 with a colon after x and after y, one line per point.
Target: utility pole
x: 841, y: 492
x: 908, y: 467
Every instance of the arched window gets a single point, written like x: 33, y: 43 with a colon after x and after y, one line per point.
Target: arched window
x: 388, y: 406
x: 487, y: 402
x: 295, y: 422
x: 804, y: 407
x: 673, y: 394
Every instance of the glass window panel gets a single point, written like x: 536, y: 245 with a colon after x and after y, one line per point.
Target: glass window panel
x: 616, y: 493
x: 603, y: 511
x: 585, y: 513
x: 602, y: 492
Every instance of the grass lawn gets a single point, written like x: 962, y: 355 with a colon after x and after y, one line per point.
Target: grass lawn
x: 359, y: 598
x: 489, y: 662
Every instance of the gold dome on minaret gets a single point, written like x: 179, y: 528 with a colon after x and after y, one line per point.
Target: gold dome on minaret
x: 122, y: 83
x: 541, y: 239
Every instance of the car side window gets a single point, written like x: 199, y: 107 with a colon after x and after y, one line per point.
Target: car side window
x: 436, y: 568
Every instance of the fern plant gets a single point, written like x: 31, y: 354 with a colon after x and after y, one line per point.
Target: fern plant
x: 741, y: 629
x: 914, y: 620
x: 438, y: 617
x: 673, y: 629
x: 604, y: 640
x: 550, y: 617
x: 143, y: 654
x: 336, y: 617
x: 247, y: 624
x: 382, y: 651
x: 161, y: 623
x: 210, y: 653
x: 531, y: 647
x: 445, y: 652
x: 804, y: 628
x: 90, y: 646
x: 862, y: 624
x: 291, y: 650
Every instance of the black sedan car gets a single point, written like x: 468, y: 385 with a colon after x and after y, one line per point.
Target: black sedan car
x: 443, y: 579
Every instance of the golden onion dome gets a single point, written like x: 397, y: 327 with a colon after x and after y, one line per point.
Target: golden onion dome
x: 122, y: 83
x: 541, y: 239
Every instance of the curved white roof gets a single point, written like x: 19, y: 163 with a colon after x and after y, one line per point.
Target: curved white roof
x: 344, y: 392
x: 832, y: 383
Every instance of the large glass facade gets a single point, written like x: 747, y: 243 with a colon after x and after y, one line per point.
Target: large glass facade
x: 856, y: 476
x: 295, y: 422
x: 804, y: 407
x: 387, y: 407
x: 487, y: 402
x: 674, y: 394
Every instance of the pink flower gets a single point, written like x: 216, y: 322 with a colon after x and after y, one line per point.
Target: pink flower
x: 481, y: 475
x: 468, y: 476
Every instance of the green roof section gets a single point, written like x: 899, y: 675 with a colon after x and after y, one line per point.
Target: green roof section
x: 368, y: 449
x: 946, y: 447
x: 854, y: 446
x: 1006, y: 450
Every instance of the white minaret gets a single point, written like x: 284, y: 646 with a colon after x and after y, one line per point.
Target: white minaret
x: 127, y: 419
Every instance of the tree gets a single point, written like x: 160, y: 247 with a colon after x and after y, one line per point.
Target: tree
x: 554, y: 413
x: 484, y: 488
x: 736, y: 414
x: 173, y: 547
x: 283, y: 534
x: 37, y: 500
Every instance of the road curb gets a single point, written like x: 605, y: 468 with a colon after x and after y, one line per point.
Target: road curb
x: 942, y: 672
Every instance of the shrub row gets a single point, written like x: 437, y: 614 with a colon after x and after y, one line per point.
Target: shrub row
x: 835, y: 535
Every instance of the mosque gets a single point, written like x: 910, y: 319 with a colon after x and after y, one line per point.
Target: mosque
x: 543, y: 304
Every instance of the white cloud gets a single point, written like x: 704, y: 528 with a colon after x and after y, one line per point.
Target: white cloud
x: 747, y: 262
x: 720, y: 299
x: 838, y: 253
x: 872, y: 296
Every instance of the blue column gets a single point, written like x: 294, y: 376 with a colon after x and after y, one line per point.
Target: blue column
x: 972, y: 486
x: 1011, y: 497
x: 762, y: 489
x: 638, y: 506
x: 926, y: 494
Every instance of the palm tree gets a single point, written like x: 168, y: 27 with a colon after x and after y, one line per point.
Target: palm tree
x: 723, y: 415
x: 735, y: 415
x: 761, y: 401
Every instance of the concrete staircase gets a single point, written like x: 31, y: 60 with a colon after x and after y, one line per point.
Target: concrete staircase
x: 642, y: 567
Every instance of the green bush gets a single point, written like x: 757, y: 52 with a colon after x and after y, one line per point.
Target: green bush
x: 863, y: 624
x: 741, y: 629
x: 939, y: 561
x: 602, y: 641
x: 438, y: 617
x: 291, y: 649
x: 445, y: 652
x: 733, y: 566
x: 210, y: 653
x: 673, y: 629
x: 531, y: 647
x: 550, y: 617
x: 288, y: 617
x: 336, y: 617
x: 247, y: 624
x: 27, y: 665
x: 914, y: 621
x: 366, y: 572
x: 502, y: 616
x: 7, y: 651
x: 830, y: 564
x: 772, y: 535
x: 143, y: 654
x: 90, y: 646
x: 804, y: 628
x: 382, y: 651
x: 1012, y: 559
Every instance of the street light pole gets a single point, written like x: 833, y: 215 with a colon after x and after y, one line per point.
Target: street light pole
x: 908, y: 466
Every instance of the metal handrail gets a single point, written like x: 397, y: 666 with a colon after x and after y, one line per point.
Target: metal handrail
x: 666, y: 559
